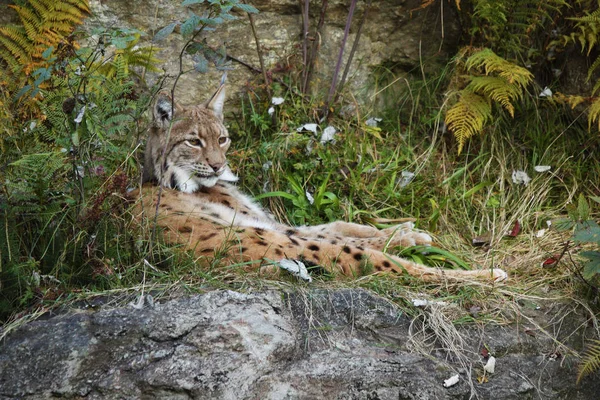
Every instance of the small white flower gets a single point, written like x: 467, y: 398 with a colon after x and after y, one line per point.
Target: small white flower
x: 266, y: 166
x: 491, y: 365
x: 542, y: 168
x: 328, y: 134
x: 373, y: 121
x: 271, y: 110
x: 277, y: 101
x: 80, y: 171
x: 310, y: 197
x: 80, y: 115
x: 547, y: 92
x: 453, y: 380
x: 308, y: 127
x: 520, y: 178
x: 405, y: 178
x: 540, y: 233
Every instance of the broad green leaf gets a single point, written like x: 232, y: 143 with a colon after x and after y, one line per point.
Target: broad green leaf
x: 592, y: 267
x: 164, y: 32
x: 191, y: 2
x: 246, y: 8
x: 583, y: 208
x: 200, y: 65
x: 189, y: 25
x: 587, y: 231
x: 563, y: 224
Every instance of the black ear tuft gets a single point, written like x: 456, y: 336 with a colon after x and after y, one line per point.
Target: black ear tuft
x: 163, y: 110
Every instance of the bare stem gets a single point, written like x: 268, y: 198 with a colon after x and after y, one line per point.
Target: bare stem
x: 304, y: 36
x: 338, y: 65
x: 354, y: 46
x: 313, y: 49
x: 259, y: 52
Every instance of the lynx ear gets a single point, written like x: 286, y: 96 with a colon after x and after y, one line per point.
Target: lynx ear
x: 163, y: 110
x: 217, y: 100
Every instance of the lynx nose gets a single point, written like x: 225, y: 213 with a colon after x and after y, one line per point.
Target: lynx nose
x: 216, y: 167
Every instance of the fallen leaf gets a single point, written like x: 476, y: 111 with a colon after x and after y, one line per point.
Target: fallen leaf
x: 482, y: 239
x: 515, y: 230
x: 551, y: 262
x: 485, y: 352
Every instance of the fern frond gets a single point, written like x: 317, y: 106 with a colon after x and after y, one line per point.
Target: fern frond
x: 498, y: 89
x: 494, y: 64
x: 590, y: 362
x: 594, y: 113
x: 467, y: 117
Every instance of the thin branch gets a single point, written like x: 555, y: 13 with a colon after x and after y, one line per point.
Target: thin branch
x: 259, y: 52
x: 354, y: 47
x: 338, y: 65
x: 304, y: 7
x: 313, y: 50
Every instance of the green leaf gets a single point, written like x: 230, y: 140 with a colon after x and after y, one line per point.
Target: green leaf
x: 201, y: 64
x: 189, y: 25
x: 246, y: 8
x: 583, y: 208
x: 191, y: 2
x: 563, y: 224
x: 587, y: 231
x: 592, y: 267
x: 164, y: 32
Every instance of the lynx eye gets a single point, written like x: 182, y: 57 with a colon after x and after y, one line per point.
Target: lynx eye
x: 195, y: 142
x: 223, y: 140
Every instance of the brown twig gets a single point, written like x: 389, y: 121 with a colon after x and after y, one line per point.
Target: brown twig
x: 259, y: 52
x: 354, y: 47
x: 339, y: 60
x: 313, y: 50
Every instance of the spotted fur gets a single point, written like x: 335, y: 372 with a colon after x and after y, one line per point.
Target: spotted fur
x: 201, y: 209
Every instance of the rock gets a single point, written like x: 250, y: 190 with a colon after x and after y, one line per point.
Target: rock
x: 394, y: 37
x: 316, y: 343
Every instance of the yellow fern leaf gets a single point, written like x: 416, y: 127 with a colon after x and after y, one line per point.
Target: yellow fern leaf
x: 590, y: 362
x: 467, y: 117
x: 494, y: 64
x: 498, y: 89
x: 594, y: 113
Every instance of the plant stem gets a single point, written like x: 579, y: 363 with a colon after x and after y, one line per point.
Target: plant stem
x: 304, y: 37
x: 339, y: 60
x: 354, y: 47
x: 259, y: 52
x: 313, y: 49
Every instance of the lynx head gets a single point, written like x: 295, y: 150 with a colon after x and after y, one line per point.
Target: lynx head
x: 194, y: 156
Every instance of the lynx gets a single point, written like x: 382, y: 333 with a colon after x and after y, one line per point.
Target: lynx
x: 200, y: 208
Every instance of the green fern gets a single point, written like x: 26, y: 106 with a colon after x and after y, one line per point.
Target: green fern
x: 590, y: 362
x: 509, y: 25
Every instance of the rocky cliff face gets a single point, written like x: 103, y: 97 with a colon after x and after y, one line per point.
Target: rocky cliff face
x: 393, y: 36
x: 340, y: 344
